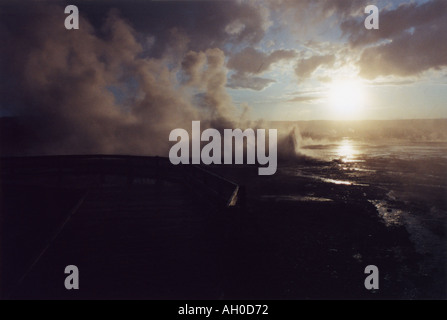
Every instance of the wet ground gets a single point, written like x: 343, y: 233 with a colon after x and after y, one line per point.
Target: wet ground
x: 316, y: 225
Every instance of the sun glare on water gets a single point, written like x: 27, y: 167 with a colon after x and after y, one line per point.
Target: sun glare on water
x: 346, y: 99
x: 346, y: 151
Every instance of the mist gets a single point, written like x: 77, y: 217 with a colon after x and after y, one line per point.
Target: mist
x: 105, y: 90
x: 373, y: 131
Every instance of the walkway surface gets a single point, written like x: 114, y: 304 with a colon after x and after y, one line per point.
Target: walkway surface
x: 149, y: 240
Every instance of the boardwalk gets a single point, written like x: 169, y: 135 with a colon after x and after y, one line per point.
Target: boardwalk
x: 148, y: 239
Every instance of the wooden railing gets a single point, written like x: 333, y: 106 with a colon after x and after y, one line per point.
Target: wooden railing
x: 211, y: 184
x: 98, y: 170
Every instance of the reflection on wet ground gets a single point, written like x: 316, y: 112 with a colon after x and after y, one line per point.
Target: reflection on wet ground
x: 410, y: 184
x: 295, y: 198
x: 406, y: 189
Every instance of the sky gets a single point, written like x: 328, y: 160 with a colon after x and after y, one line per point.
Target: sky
x: 138, y: 69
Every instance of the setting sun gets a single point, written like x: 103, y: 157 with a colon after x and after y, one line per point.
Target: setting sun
x: 346, y: 98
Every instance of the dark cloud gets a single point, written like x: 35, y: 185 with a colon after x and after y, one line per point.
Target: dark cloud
x: 242, y: 81
x: 306, y: 67
x: 319, y: 9
x: 206, y: 23
x: 344, y: 7
x: 394, y: 23
x: 253, y: 61
x: 250, y: 62
x: 320, y: 6
x: 407, y: 55
x: 303, y: 99
x: 412, y: 39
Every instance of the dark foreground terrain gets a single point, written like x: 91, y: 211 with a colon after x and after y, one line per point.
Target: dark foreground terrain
x: 164, y: 235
